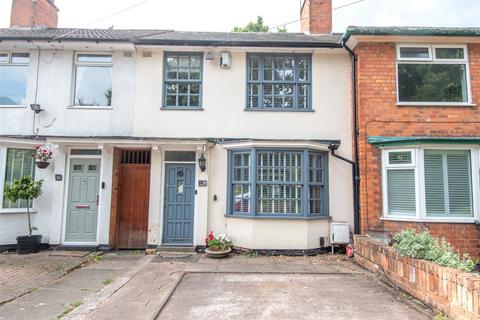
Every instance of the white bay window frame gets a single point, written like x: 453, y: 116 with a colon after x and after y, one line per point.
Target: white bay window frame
x: 418, y: 164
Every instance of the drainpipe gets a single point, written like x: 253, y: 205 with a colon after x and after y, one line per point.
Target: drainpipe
x: 354, y: 163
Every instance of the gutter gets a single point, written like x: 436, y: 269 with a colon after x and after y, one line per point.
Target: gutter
x: 354, y: 162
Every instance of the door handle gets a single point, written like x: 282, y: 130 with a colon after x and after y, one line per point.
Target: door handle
x: 96, y: 202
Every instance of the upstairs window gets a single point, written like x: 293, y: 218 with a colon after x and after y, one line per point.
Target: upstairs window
x: 93, y: 80
x: 432, y: 74
x: 13, y: 78
x: 183, y: 80
x: 279, y: 82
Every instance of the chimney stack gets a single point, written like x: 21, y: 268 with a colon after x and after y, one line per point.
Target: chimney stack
x: 33, y: 14
x: 316, y: 16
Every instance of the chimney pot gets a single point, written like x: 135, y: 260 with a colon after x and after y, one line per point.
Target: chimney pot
x: 316, y: 16
x: 33, y: 14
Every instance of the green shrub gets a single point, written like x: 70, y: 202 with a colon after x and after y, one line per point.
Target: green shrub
x: 421, y: 245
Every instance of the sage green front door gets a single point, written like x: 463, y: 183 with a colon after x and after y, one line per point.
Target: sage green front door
x: 82, y: 210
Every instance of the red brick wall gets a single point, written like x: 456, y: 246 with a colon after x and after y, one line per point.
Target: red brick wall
x: 316, y: 16
x: 451, y: 291
x: 27, y: 13
x: 380, y: 116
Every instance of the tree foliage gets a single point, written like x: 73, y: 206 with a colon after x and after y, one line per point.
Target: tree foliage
x: 257, y: 26
x: 24, y: 188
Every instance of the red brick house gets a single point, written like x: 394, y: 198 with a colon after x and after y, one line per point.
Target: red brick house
x: 418, y: 122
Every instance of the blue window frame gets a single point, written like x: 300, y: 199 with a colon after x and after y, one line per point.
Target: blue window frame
x: 278, y: 183
x: 182, y: 87
x: 279, y: 82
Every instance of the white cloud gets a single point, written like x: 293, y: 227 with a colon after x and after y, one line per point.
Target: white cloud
x: 222, y: 15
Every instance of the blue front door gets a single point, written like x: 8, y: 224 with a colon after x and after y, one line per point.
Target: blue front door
x: 179, y: 204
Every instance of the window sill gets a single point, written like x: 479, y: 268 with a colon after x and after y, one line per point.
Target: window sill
x: 182, y: 108
x: 12, y: 106
x: 435, y: 104
x: 13, y: 210
x: 431, y: 220
x: 90, y: 107
x: 276, y: 110
x: 277, y: 217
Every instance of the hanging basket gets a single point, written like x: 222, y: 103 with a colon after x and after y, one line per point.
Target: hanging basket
x: 42, y: 164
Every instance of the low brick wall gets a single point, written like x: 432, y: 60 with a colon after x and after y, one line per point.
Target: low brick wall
x: 451, y: 291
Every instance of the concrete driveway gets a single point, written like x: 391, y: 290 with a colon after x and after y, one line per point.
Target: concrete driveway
x: 192, y: 286
x: 284, y: 296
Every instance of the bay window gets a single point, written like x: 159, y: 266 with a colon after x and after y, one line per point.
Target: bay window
x: 273, y: 183
x: 428, y: 183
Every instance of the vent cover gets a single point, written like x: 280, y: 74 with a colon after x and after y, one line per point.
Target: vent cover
x: 135, y: 157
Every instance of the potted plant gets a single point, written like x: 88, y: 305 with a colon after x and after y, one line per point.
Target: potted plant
x: 218, y: 246
x: 25, y: 189
x: 42, y: 156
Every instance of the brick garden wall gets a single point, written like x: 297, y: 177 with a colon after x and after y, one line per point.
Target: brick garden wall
x: 453, y: 292
x: 380, y: 116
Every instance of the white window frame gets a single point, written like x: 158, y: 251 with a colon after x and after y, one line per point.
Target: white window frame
x: 9, y: 62
x: 3, y: 169
x: 433, y: 60
x: 421, y: 214
x: 89, y: 64
x: 404, y: 166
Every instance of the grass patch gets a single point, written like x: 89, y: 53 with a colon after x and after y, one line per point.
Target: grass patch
x: 97, y: 258
x: 69, y: 309
x: 439, y: 316
x: 107, y: 281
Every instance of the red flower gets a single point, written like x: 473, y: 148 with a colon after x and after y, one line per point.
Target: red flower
x: 211, y: 236
x: 37, y: 147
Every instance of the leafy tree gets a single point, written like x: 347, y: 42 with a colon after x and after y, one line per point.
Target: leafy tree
x: 24, y: 189
x: 257, y: 26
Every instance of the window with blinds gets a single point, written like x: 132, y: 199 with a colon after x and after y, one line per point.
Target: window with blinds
x: 448, y: 183
x: 401, y: 183
x: 20, y: 163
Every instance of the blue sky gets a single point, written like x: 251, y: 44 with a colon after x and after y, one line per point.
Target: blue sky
x: 222, y: 15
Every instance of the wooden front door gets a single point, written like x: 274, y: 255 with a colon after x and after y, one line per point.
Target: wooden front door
x: 133, y: 199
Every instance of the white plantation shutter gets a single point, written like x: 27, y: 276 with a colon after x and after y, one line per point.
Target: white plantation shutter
x: 448, y: 183
x: 401, y: 192
x: 20, y: 163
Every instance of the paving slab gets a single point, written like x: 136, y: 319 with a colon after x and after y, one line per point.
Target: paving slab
x: 20, y: 274
x: 283, y: 296
x: 52, y: 299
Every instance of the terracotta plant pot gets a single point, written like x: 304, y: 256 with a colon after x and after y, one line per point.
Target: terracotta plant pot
x: 218, y: 253
x: 42, y: 164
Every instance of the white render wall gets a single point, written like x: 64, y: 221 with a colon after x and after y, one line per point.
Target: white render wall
x: 55, y: 91
x: 224, y: 102
x: 137, y: 98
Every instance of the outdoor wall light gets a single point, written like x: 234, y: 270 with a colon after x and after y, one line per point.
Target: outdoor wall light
x: 202, y: 163
x: 36, y: 107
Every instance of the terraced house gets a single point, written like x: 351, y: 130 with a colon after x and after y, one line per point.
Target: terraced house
x: 419, y: 130
x: 160, y: 136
